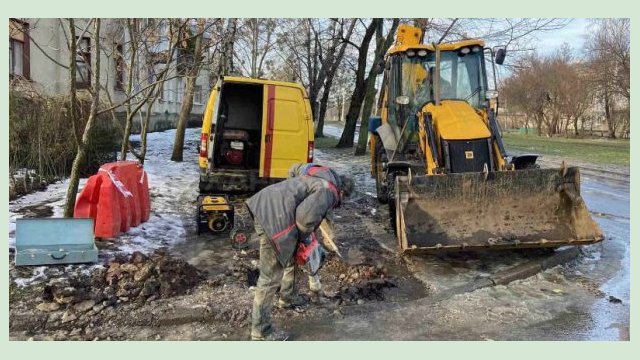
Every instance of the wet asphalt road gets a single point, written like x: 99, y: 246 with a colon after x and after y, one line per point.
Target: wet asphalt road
x: 608, y: 200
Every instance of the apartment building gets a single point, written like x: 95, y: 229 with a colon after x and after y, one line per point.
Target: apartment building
x: 39, y: 57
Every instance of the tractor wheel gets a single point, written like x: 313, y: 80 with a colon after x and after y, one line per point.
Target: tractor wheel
x: 380, y: 159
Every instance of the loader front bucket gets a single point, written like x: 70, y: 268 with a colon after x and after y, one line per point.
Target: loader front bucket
x: 498, y: 210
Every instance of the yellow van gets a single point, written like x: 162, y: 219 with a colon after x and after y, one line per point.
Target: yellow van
x: 252, y: 132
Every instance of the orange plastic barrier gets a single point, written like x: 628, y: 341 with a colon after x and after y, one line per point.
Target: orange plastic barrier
x: 117, y: 198
x: 87, y: 202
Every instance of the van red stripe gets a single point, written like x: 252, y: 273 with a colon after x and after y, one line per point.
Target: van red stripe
x: 271, y: 95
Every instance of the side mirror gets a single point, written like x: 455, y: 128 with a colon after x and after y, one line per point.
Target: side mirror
x: 491, y: 94
x: 402, y: 100
x: 500, y: 55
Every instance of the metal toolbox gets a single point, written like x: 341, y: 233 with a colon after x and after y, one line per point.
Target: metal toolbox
x: 55, y: 241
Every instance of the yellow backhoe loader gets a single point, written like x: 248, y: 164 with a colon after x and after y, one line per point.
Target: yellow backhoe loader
x: 439, y: 161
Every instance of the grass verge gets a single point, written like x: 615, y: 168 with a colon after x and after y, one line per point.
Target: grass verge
x: 325, y: 142
x: 597, y: 151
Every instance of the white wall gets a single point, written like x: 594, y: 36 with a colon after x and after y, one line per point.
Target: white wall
x: 48, y: 46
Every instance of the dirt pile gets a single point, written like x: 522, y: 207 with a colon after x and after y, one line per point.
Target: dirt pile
x: 358, y: 283
x: 142, y: 278
x: 137, y: 278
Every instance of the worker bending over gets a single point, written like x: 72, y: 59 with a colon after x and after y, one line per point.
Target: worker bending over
x: 285, y: 214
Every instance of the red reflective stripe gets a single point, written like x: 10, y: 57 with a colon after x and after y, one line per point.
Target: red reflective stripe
x: 334, y: 189
x: 283, y: 232
x: 271, y: 94
x: 315, y: 170
x: 332, y: 186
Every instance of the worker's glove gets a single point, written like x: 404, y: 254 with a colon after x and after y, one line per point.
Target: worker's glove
x: 310, y: 257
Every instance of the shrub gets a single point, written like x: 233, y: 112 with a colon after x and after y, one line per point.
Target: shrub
x: 41, y: 139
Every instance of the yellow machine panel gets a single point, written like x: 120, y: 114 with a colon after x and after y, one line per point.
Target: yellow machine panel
x: 456, y: 120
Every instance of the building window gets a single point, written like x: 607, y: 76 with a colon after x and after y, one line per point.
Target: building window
x: 19, y: 48
x: 83, y: 63
x: 179, y: 90
x: 166, y: 90
x: 120, y: 67
x: 15, y: 57
x: 152, y: 77
x: 197, y: 94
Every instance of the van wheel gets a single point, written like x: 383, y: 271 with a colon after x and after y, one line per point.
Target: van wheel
x: 380, y: 159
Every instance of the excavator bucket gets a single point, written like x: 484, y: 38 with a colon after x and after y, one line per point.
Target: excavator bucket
x: 496, y: 210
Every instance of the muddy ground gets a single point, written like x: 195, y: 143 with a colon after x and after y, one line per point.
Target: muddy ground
x: 373, y: 293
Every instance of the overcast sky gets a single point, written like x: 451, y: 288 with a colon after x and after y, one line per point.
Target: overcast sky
x: 574, y: 34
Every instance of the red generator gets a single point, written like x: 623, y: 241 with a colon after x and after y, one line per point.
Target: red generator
x: 235, y: 144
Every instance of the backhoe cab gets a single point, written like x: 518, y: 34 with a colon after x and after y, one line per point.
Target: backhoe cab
x: 439, y: 161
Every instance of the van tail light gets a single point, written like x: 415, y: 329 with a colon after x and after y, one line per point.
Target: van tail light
x: 310, y: 152
x: 203, y: 145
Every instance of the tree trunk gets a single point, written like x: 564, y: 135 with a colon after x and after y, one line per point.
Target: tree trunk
x: 382, y: 44
x: 346, y: 140
x: 185, y: 111
x: 539, y: 119
x: 357, y: 97
x: 254, y: 48
x: 72, y: 190
x: 132, y: 27
x: 324, y: 102
x: 79, y: 159
x: 144, y: 129
x: 608, y: 116
x: 325, y: 75
x: 225, y: 67
x: 363, y: 136
x: 343, y: 102
x: 322, y: 111
x: 187, y: 100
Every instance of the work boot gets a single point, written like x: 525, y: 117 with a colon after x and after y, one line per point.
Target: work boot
x: 297, y: 301
x: 317, y: 297
x: 274, y: 335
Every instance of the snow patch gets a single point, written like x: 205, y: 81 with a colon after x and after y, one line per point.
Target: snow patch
x: 173, y: 187
x: 38, y: 274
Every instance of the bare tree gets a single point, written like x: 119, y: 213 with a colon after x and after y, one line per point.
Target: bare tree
x: 145, y: 48
x: 82, y: 138
x: 525, y: 90
x: 357, y: 96
x: 553, y: 90
x: 610, y: 58
x: 192, y: 69
x: 255, y: 41
x: 382, y: 45
x: 226, y: 65
x: 333, y: 61
x: 314, y: 51
x: 133, y: 32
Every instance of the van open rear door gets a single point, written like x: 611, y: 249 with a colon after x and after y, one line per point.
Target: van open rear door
x: 214, y: 104
x: 284, y: 130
